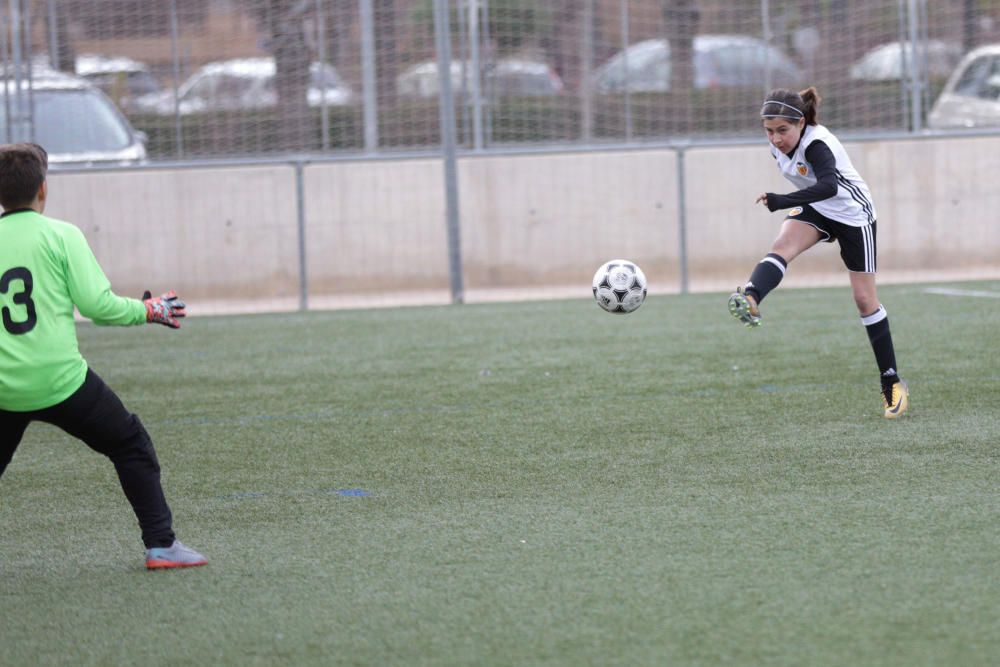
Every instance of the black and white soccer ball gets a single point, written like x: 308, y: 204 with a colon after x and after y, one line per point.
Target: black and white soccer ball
x: 619, y: 286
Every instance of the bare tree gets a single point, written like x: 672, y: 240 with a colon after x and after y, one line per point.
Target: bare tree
x: 563, y: 52
x: 57, y: 26
x: 385, y: 49
x: 282, y: 21
x: 680, y: 19
x: 968, y: 24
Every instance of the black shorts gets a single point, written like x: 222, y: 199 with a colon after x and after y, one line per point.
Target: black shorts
x: 857, y: 244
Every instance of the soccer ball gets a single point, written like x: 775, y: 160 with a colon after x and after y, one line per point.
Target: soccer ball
x: 619, y: 286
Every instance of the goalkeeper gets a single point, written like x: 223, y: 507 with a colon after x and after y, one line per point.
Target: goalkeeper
x: 46, y: 267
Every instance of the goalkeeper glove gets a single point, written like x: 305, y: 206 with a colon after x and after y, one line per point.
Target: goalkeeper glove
x: 165, y: 309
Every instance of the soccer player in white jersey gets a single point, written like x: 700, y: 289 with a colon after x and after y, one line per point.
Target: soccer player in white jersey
x: 832, y: 203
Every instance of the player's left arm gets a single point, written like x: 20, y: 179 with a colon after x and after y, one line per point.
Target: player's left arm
x: 824, y: 166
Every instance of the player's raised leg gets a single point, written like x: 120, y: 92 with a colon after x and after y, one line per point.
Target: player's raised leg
x: 795, y: 238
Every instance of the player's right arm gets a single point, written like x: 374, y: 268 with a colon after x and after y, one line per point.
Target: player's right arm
x: 824, y: 165
x: 90, y: 289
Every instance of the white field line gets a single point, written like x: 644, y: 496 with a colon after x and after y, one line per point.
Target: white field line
x: 950, y: 291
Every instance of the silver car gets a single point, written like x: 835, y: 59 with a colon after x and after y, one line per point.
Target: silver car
x: 74, y: 121
x: 507, y: 77
x: 971, y: 98
x: 720, y: 61
x: 243, y: 84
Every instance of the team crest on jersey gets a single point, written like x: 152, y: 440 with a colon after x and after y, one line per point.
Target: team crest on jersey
x: 801, y: 168
x: 794, y: 212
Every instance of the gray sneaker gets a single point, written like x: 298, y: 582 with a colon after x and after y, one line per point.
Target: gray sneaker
x: 743, y: 309
x: 176, y: 555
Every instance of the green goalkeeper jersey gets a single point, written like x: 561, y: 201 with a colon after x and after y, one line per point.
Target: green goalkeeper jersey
x: 46, y: 267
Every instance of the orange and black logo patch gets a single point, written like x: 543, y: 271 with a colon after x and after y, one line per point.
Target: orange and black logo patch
x: 801, y: 168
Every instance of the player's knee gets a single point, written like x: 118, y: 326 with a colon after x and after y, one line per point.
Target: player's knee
x: 134, y: 442
x: 866, y: 302
x: 784, y: 250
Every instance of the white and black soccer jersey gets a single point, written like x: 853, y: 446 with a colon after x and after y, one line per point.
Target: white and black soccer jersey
x: 811, y: 169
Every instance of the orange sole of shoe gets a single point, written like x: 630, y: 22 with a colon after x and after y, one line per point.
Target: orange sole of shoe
x: 170, y: 565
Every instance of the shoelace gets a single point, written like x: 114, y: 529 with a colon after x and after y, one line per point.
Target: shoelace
x: 887, y: 395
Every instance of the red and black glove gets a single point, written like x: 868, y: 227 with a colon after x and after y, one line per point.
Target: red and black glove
x: 165, y: 309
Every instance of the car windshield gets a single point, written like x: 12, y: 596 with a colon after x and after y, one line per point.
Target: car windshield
x: 980, y: 78
x: 141, y: 83
x: 74, y: 121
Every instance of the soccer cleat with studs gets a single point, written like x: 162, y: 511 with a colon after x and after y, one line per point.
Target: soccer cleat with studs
x: 898, y: 402
x: 176, y: 555
x: 743, y: 309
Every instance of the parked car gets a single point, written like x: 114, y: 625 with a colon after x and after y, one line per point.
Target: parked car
x: 971, y: 97
x: 242, y: 84
x: 885, y: 62
x: 122, y: 79
x: 507, y: 77
x: 74, y: 121
x: 720, y: 61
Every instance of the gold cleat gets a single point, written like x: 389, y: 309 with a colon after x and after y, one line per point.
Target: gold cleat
x: 895, y: 408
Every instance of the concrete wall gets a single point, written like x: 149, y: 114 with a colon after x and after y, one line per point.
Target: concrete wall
x: 378, y: 227
x: 203, y: 232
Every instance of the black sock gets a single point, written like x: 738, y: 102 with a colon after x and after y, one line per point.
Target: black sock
x: 877, y: 326
x: 766, y: 276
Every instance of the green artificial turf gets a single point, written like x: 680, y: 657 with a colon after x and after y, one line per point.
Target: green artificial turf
x: 549, y: 485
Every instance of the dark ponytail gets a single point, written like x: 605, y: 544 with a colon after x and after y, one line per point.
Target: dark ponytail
x: 811, y: 99
x: 783, y: 103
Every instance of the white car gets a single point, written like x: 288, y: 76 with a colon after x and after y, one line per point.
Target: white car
x: 243, y: 84
x: 720, y: 61
x: 122, y: 79
x: 885, y: 62
x: 971, y: 97
x: 74, y: 121
x: 507, y: 77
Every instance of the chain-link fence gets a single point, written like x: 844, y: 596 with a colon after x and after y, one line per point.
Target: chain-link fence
x: 221, y: 78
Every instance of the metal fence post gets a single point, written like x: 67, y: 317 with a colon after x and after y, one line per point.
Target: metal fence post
x: 682, y: 253
x: 53, y: 36
x: 300, y: 214
x: 765, y: 17
x: 442, y: 35
x: 5, y: 46
x: 624, y: 18
x: 586, y: 66
x: 904, y: 64
x: 916, y: 97
x: 17, y: 53
x: 30, y: 71
x: 477, y: 70
x: 368, y: 92
x: 176, y: 56
x: 324, y: 110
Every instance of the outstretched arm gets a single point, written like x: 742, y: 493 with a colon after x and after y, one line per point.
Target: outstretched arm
x: 91, y: 292
x: 90, y: 289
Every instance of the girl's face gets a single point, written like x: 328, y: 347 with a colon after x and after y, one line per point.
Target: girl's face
x: 784, y: 133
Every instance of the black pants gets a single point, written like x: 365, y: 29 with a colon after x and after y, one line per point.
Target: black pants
x: 95, y: 414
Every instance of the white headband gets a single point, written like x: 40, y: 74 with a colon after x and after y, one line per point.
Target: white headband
x: 781, y: 115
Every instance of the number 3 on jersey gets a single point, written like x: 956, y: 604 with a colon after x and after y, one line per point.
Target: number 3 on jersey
x: 22, y: 298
